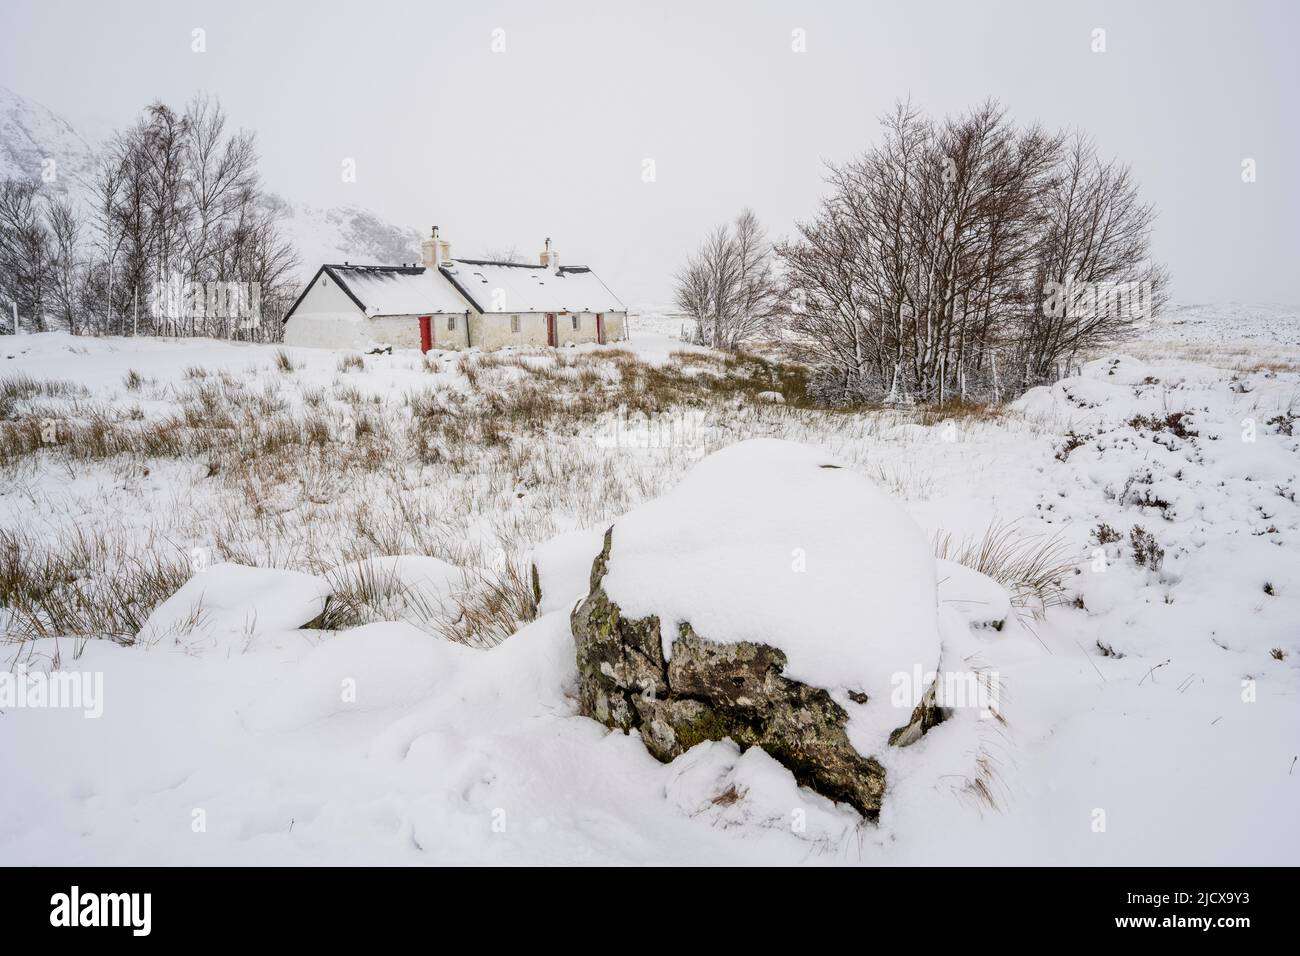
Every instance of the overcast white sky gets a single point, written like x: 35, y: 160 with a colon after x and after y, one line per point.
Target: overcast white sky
x: 549, y: 136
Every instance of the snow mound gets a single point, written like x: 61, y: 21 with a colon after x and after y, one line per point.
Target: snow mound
x: 716, y: 782
x: 231, y: 604
x: 563, y: 568
x: 980, y: 600
x: 368, y: 668
x: 776, y: 543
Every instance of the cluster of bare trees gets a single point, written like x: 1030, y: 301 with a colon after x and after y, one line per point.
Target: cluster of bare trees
x: 38, y: 246
x: 728, y: 286
x: 175, y: 237
x: 969, y: 258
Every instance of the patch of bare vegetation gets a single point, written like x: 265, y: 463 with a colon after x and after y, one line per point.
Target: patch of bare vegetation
x: 294, y: 474
x: 84, y: 583
x: 1032, y: 567
x: 488, y: 607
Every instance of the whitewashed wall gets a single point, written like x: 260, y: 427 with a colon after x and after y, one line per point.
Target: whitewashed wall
x: 403, y: 331
x: 328, y: 318
x: 493, y: 331
x: 321, y: 331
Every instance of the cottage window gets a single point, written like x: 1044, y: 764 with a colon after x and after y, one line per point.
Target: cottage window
x: 575, y: 321
x: 514, y: 323
x: 451, y: 323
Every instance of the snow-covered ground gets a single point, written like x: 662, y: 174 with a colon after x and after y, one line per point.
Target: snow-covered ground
x: 1150, y: 713
x: 1231, y: 336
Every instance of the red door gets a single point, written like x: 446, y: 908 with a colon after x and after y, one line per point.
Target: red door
x: 600, y: 327
x: 550, y: 329
x: 426, y: 333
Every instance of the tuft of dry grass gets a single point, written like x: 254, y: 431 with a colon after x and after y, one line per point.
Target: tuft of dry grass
x: 469, y: 368
x: 367, y: 591
x: 23, y: 388
x: 1033, y: 568
x: 84, y: 584
x: 489, y: 607
x: 486, y: 608
x: 957, y: 410
x: 728, y: 797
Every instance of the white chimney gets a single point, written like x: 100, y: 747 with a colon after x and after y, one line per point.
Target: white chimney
x: 434, y: 251
x: 550, y: 258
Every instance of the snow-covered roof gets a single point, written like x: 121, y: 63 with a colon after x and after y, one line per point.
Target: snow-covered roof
x: 397, y: 290
x: 497, y: 287
x: 493, y: 288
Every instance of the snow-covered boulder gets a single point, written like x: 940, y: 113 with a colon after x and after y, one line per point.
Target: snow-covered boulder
x: 232, y: 604
x: 774, y: 597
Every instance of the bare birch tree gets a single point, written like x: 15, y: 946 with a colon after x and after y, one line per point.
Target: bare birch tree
x: 728, y: 287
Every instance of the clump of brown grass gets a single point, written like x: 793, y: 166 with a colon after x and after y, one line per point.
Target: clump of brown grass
x: 1033, y: 568
x: 22, y: 388
x: 958, y: 410
x: 489, y: 607
x: 84, y: 584
x: 470, y: 369
x: 367, y: 591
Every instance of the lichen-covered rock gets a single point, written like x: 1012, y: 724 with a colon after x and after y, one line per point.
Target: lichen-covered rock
x: 775, y: 597
x: 709, y: 691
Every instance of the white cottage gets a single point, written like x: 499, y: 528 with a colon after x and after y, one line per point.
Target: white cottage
x: 451, y: 303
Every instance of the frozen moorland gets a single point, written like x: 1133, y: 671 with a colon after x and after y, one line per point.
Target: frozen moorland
x: 300, y: 581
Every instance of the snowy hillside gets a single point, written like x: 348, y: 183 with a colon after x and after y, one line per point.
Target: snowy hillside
x: 31, y: 136
x: 345, y: 234
x: 199, y: 501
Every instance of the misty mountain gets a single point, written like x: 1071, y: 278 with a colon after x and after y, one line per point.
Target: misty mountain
x: 36, y: 143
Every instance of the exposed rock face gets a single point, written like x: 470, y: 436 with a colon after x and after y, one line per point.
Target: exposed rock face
x: 710, y: 691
